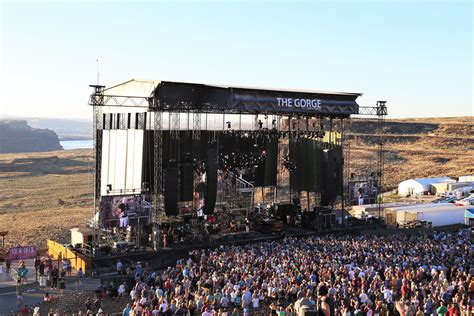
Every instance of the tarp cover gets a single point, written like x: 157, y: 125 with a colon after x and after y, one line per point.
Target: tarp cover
x: 175, y: 96
x: 469, y: 213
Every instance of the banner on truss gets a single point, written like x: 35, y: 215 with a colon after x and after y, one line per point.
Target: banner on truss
x: 177, y: 96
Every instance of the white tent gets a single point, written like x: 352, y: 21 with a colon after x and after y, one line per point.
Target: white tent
x: 419, y: 186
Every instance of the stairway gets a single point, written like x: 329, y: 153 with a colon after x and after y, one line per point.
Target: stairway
x: 73, y: 302
x: 76, y: 295
x: 236, y: 193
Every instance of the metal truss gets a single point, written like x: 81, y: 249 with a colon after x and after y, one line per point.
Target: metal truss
x: 141, y: 120
x: 381, y: 112
x: 121, y: 120
x: 157, y: 165
x: 97, y: 154
x: 174, y: 118
x: 96, y: 101
x: 107, y: 121
x: 125, y: 101
x: 378, y: 112
x: 196, y: 126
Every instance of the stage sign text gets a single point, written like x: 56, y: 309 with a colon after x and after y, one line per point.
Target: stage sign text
x: 299, y: 103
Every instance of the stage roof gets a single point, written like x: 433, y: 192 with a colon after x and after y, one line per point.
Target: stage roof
x: 183, y: 96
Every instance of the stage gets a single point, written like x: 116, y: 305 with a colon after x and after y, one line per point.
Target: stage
x: 182, y: 165
x: 164, y: 257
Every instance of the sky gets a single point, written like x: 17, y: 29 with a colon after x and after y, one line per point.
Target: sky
x: 416, y: 55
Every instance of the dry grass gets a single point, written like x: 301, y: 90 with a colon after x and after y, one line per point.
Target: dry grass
x: 42, y: 198
x: 446, y: 150
x: 31, y: 186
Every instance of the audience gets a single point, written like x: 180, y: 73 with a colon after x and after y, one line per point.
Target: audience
x: 394, y: 275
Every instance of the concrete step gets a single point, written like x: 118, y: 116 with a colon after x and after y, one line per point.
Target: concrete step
x: 75, y: 302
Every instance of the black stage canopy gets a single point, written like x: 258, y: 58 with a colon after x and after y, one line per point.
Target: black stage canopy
x: 178, y: 96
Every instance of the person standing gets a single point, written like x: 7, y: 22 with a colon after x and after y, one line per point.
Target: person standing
x: 323, y: 306
x: 69, y: 267
x: 54, y: 277
x: 41, y: 268
x: 19, y: 300
x: 119, y: 267
x: 442, y: 310
x: 62, y: 282
x: 126, y: 310
x: 37, y: 264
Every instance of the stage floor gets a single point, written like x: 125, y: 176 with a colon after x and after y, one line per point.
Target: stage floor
x: 164, y: 257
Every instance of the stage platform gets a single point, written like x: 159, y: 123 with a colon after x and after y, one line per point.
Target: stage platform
x: 165, y: 257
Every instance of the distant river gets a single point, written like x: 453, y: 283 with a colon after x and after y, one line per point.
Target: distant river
x: 75, y: 144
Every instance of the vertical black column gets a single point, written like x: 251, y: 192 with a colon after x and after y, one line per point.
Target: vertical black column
x: 211, y: 175
x: 171, y: 188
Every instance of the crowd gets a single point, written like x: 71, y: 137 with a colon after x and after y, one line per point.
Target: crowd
x: 395, y: 275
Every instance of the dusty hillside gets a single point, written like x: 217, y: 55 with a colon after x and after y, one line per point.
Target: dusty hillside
x: 416, y: 148
x: 42, y: 195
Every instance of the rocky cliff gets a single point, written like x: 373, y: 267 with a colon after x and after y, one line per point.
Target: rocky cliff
x: 17, y: 136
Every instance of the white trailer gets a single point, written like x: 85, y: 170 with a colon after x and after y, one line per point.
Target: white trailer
x: 443, y: 217
x: 438, y: 216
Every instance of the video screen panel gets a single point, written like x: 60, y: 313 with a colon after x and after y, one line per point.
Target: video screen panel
x: 121, y: 163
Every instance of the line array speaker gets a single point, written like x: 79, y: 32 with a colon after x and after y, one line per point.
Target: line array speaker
x: 211, y: 175
x: 171, y: 189
x: 186, y: 182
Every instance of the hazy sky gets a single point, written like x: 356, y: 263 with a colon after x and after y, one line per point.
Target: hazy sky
x: 418, y: 57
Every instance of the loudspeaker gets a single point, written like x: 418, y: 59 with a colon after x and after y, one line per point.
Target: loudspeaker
x: 186, y: 182
x: 338, y: 169
x: 271, y: 161
x: 211, y: 175
x: 148, y: 175
x: 328, y: 193
x: 331, y: 176
x: 293, y: 153
x: 302, y: 164
x: 266, y: 172
x: 171, y: 189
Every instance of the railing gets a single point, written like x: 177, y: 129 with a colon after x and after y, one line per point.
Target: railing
x: 59, y: 251
x: 243, y: 185
x: 14, y: 274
